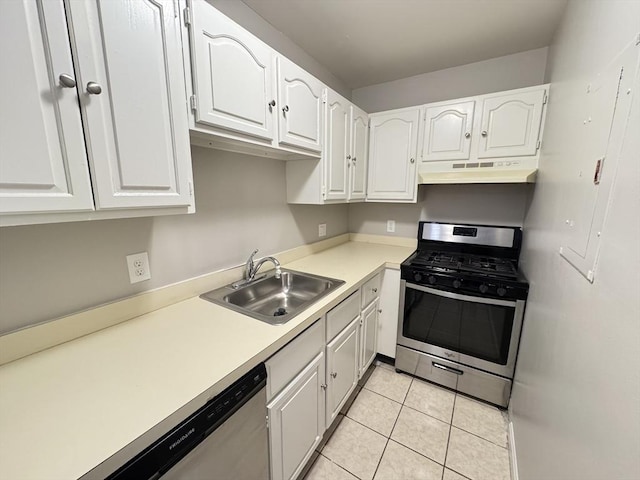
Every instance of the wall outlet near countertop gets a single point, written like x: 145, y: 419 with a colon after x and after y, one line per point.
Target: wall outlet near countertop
x: 391, y: 226
x: 322, y: 230
x: 138, y: 264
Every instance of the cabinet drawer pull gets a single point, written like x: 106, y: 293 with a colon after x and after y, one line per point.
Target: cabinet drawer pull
x: 94, y: 88
x: 484, y: 133
x: 353, y: 159
x: 413, y: 160
x: 285, y: 109
x: 323, y: 386
x: 467, y: 135
x: 272, y: 103
x: 66, y: 80
x: 374, y: 290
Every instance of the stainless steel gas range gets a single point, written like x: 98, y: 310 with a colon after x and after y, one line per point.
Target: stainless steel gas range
x: 462, y: 303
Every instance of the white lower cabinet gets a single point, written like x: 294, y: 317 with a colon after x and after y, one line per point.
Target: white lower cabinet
x: 368, y: 336
x: 342, y: 369
x: 296, y: 421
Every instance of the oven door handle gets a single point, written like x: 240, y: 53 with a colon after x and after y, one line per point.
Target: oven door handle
x: 458, y: 296
x: 447, y: 369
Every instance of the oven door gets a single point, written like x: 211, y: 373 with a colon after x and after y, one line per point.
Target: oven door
x: 474, y: 331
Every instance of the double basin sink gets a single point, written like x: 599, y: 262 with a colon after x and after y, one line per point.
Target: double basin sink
x: 274, y: 300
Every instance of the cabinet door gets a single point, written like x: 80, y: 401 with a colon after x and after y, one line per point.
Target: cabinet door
x: 359, y: 143
x: 300, y: 107
x: 136, y: 125
x: 393, y: 145
x: 368, y: 336
x: 510, y: 124
x: 233, y: 74
x: 336, y: 148
x: 43, y: 160
x: 342, y: 369
x: 447, y: 132
x: 296, y: 421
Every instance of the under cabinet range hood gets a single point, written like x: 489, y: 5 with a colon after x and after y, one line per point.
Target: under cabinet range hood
x: 473, y: 172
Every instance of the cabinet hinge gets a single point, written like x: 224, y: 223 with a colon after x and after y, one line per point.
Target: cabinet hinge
x: 192, y: 102
x: 324, y: 191
x: 544, y: 98
x: 187, y: 16
x: 190, y: 189
x: 538, y: 145
x: 324, y: 96
x: 268, y: 422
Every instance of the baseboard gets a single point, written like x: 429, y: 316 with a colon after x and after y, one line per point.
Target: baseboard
x: 385, y: 359
x: 512, y: 453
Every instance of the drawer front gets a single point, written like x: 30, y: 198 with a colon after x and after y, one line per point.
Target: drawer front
x: 290, y: 360
x: 371, y: 290
x: 342, y: 315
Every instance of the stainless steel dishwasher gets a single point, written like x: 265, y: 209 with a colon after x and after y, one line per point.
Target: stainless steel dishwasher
x: 225, y: 439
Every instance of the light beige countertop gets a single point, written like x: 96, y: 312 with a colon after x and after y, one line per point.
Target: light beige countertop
x: 86, y: 406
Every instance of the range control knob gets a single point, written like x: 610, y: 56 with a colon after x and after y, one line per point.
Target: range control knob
x: 432, y: 280
x: 457, y: 283
x: 501, y: 291
x: 483, y: 288
x: 417, y: 276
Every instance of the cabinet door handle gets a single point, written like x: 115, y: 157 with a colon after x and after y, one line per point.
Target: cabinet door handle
x: 67, y: 81
x: 374, y: 290
x: 353, y: 159
x: 348, y: 157
x: 484, y: 133
x: 379, y: 310
x: 285, y: 109
x: 323, y: 386
x: 94, y: 88
x: 467, y: 135
x: 334, y: 375
x: 413, y: 160
x: 272, y: 103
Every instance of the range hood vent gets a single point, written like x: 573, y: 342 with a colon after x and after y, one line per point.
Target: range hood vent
x: 478, y: 175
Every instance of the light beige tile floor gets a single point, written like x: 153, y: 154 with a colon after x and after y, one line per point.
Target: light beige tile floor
x: 403, y: 428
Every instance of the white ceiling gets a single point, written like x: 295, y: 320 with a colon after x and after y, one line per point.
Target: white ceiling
x: 365, y: 42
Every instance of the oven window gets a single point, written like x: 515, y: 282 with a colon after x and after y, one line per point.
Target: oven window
x: 476, y: 329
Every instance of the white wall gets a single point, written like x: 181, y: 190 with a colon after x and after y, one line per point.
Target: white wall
x: 497, y: 74
x: 478, y: 204
x: 576, y: 398
x: 47, y: 271
x: 243, y: 15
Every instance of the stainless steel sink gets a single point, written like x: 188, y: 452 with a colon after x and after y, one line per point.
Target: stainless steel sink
x: 274, y: 300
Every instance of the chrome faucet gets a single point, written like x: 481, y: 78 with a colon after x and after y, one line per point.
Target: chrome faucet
x: 251, y: 269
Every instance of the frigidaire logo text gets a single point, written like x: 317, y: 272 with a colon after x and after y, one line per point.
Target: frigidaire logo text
x: 181, y: 439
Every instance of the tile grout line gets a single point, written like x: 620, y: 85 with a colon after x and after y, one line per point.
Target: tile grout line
x: 394, y: 426
x: 340, y: 467
x: 446, y: 452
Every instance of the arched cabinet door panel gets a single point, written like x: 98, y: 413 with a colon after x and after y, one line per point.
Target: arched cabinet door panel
x: 234, y: 75
x: 510, y: 124
x: 447, y: 132
x: 300, y: 104
x: 393, y: 146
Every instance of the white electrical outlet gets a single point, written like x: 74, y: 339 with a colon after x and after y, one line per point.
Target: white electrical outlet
x: 391, y: 226
x: 322, y: 230
x: 138, y: 264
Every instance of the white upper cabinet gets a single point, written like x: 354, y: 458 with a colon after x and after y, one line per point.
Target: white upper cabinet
x: 300, y: 97
x: 393, y: 146
x: 43, y: 160
x: 132, y: 95
x: 358, y: 162
x: 233, y: 75
x: 510, y: 124
x: 99, y: 117
x: 336, y: 149
x: 447, y: 131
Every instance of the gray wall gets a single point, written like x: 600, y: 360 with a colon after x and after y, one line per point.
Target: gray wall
x: 479, y: 204
x: 503, y: 73
x: 243, y: 15
x: 576, y: 399
x: 47, y: 271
